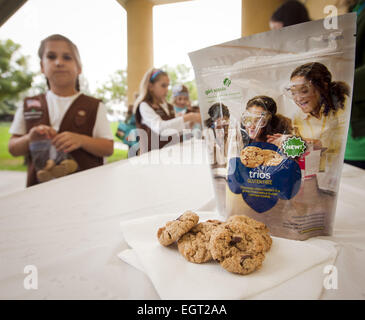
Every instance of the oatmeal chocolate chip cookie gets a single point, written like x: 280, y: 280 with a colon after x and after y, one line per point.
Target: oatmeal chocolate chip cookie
x: 70, y: 165
x: 238, y: 247
x: 252, y: 157
x: 260, y: 227
x: 49, y: 165
x: 271, y: 157
x: 44, y: 176
x: 244, y: 263
x: 173, y: 230
x: 58, y: 171
x: 194, y: 244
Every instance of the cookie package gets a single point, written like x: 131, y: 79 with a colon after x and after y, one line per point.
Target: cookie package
x: 276, y: 108
x: 50, y: 163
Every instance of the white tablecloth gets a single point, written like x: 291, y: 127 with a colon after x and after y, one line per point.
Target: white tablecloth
x: 69, y: 229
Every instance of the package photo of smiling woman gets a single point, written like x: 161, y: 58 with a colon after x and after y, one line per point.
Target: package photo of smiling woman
x: 276, y: 109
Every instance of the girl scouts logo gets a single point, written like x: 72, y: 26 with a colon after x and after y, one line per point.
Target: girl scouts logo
x: 227, y: 82
x: 294, y: 147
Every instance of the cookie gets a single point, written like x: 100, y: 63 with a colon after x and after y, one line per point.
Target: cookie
x: 58, y: 171
x: 251, y: 157
x: 260, y: 227
x: 70, y: 165
x: 243, y: 263
x: 238, y: 247
x: 49, y: 165
x: 271, y: 158
x: 194, y: 245
x: 44, y: 176
x: 173, y: 230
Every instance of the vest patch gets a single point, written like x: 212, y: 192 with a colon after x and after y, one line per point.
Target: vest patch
x: 80, y: 118
x: 81, y: 113
x: 33, y: 114
x: 33, y: 110
x: 33, y: 103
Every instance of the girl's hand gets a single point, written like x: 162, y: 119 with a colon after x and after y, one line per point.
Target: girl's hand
x: 317, y: 144
x: 276, y: 139
x: 193, y: 117
x: 41, y: 132
x: 67, y: 141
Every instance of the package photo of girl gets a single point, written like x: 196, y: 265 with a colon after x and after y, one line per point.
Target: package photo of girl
x: 260, y: 121
x: 319, y: 120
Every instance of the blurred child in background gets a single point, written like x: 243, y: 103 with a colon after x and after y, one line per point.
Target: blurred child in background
x: 73, y: 122
x: 155, y: 117
x: 182, y: 105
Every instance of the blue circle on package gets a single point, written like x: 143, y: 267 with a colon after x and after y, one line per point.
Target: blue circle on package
x: 261, y: 187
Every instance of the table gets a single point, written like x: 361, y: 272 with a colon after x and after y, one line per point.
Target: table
x: 69, y: 228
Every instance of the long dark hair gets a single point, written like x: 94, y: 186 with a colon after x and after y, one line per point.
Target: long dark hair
x: 277, y: 123
x: 333, y: 93
x: 291, y: 12
x: 217, y: 110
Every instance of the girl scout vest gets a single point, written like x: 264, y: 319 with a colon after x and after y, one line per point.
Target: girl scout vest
x: 153, y: 140
x: 79, y: 118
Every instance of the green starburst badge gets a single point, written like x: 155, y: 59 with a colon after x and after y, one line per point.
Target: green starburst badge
x: 294, y: 147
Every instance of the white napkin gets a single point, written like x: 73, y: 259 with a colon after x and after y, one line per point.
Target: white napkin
x: 176, y: 278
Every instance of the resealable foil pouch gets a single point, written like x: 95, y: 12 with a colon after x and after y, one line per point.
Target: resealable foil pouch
x: 276, y: 109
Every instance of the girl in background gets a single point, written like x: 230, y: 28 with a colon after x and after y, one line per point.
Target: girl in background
x: 290, y: 13
x: 155, y: 116
x: 182, y: 105
x: 181, y: 101
x: 74, y: 122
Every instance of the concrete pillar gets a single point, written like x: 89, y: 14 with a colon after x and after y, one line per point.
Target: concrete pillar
x: 140, y: 42
x: 256, y: 15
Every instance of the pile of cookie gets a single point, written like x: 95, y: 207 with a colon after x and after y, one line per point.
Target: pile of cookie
x: 253, y: 157
x: 53, y: 170
x: 239, y: 244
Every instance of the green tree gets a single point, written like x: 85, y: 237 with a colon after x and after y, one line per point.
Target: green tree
x: 114, y: 90
x: 15, y: 76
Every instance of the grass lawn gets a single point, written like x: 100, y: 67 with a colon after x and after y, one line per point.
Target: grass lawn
x: 8, y: 162
x: 118, y: 154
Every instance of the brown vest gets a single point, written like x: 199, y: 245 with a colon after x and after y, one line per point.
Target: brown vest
x: 79, y: 118
x: 152, y: 137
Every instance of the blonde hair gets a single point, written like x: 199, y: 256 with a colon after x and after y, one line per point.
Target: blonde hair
x: 74, y: 50
x: 151, y: 76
